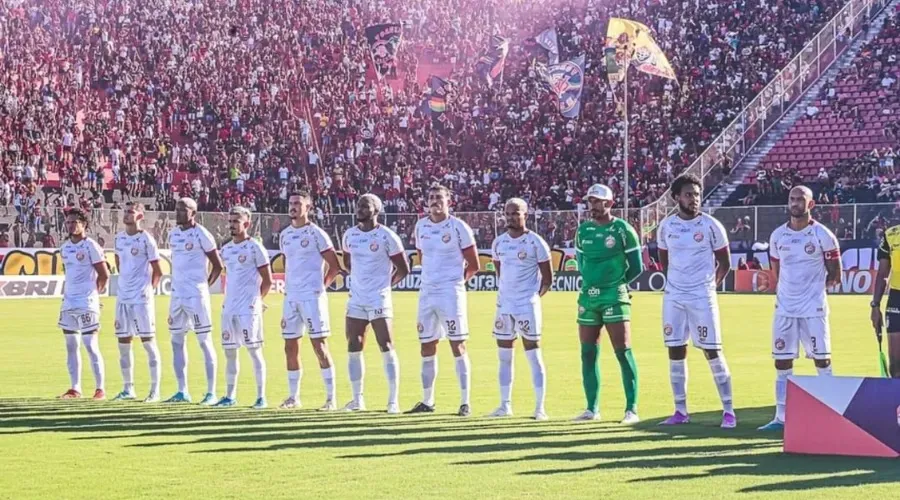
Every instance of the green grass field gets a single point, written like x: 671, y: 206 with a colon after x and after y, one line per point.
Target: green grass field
x: 85, y: 449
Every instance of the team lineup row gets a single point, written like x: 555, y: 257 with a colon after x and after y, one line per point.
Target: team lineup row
x: 693, y: 249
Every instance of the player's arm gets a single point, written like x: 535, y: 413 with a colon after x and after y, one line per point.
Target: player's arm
x: 832, y: 254
x: 155, y: 273
x: 401, y: 267
x: 774, y: 257
x: 153, y: 256
x: 579, y: 258
x: 334, y: 268
x: 546, y: 277
x: 721, y: 250
x: 102, y: 275
x: 265, y: 272
x: 473, y: 265
x: 216, y: 260
x: 634, y: 264
x: 662, y: 249
x: 345, y: 256
x: 118, y: 266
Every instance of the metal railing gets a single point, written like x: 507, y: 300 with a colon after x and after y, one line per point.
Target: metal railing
x: 771, y: 104
x: 557, y: 227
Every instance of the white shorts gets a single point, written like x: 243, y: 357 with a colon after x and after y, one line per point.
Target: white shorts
x: 443, y: 314
x: 789, y: 333
x: 79, y: 321
x: 306, y: 316
x: 242, y: 330
x: 694, y: 318
x: 526, y: 322
x: 136, y: 320
x: 187, y: 314
x: 381, y: 308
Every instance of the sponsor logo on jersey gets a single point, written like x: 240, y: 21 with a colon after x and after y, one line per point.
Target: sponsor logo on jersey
x: 593, y: 292
x: 779, y: 344
x: 521, y: 255
x: 304, y: 243
x: 609, y: 242
x: 667, y: 330
x: 446, y: 238
x: 698, y: 236
x: 134, y: 251
x: 809, y: 248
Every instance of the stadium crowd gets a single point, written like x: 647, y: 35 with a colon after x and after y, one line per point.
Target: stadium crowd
x: 239, y: 101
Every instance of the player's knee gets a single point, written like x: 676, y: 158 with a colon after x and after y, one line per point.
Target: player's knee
x: 822, y: 363
x: 124, y: 340
x: 428, y: 349
x: 505, y: 344
x: 458, y: 348
x: 678, y: 353
x: 711, y: 353
x: 530, y: 345
x: 784, y: 364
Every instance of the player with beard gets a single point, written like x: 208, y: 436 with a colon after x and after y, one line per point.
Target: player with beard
x: 447, y: 252
x: 374, y: 256
x: 192, y: 246
x: 137, y: 259
x: 694, y: 253
x: 86, y: 276
x: 608, y: 251
x: 306, y: 249
x: 522, y: 263
x: 806, y: 258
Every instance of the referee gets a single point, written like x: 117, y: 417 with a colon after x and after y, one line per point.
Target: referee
x: 889, y: 257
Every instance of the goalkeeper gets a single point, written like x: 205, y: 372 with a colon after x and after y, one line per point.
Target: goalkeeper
x: 609, y: 257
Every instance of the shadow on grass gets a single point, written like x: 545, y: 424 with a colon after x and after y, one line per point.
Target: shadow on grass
x: 662, y: 452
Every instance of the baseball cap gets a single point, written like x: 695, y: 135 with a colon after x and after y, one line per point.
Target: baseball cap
x: 600, y: 192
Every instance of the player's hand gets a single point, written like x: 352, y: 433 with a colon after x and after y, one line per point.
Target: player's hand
x: 877, y: 320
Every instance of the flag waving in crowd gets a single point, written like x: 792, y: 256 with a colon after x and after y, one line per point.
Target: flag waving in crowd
x: 632, y: 43
x: 384, y: 43
x: 490, y: 64
x: 435, y: 101
x: 548, y: 40
x: 566, y: 80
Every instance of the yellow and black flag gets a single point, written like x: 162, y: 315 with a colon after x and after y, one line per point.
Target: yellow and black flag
x: 630, y: 42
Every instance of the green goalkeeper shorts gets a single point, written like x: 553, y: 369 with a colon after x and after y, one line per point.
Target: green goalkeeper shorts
x: 603, y: 314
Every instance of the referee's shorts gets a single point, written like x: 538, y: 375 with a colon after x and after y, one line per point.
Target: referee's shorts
x: 892, y: 312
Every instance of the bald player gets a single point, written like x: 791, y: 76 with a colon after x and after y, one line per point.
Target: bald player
x: 805, y: 260
x: 374, y: 256
x: 522, y: 263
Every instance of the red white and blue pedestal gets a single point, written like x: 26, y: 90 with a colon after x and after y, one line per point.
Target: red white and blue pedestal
x: 843, y: 416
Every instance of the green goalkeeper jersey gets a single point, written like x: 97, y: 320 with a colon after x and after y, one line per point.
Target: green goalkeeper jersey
x: 602, y: 252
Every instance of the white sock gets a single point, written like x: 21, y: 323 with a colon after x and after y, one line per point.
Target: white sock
x: 824, y: 372
x: 392, y: 370
x: 180, y: 361
x: 462, y: 373
x: 356, y: 365
x: 209, y: 357
x: 126, y: 363
x: 538, y: 376
x: 678, y: 376
x: 506, y: 374
x: 722, y: 376
x: 153, y: 361
x: 328, y: 380
x: 73, y: 359
x: 93, y: 350
x: 781, y: 392
x: 294, y: 383
x: 259, y: 370
x: 429, y: 374
x: 232, y: 368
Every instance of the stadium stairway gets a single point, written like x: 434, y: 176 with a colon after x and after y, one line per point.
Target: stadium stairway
x: 753, y: 159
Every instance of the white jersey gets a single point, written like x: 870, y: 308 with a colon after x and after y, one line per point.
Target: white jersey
x: 80, y: 290
x: 441, y: 244
x: 520, y: 276
x: 242, y: 280
x: 370, y: 258
x: 691, y: 245
x: 800, y: 292
x: 135, y: 253
x: 302, y: 248
x: 189, y: 271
